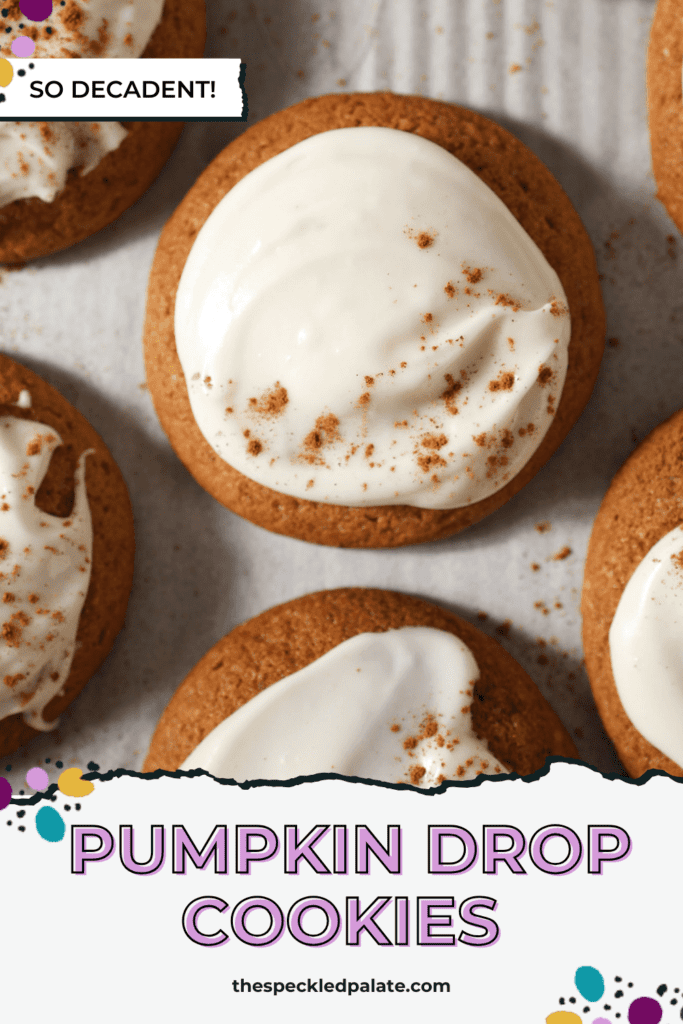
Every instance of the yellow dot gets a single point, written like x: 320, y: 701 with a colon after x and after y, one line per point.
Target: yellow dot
x: 6, y: 72
x: 563, y: 1017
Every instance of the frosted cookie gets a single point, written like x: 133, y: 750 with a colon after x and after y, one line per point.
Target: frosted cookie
x: 632, y: 605
x: 665, y: 104
x: 66, y: 554
x: 62, y: 181
x: 369, y: 683
x: 372, y: 336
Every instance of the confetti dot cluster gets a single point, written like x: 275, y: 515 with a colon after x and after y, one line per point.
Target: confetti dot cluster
x: 50, y: 824
x: 23, y: 45
x: 591, y: 986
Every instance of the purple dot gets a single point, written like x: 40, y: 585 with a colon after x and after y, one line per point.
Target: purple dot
x: 36, y: 10
x: 644, y: 1011
x: 22, y: 46
x: 5, y: 793
x: 37, y: 778
x: 601, y: 1020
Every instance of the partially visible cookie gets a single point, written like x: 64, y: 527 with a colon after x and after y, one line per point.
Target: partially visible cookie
x: 30, y: 227
x: 32, y: 616
x: 627, y: 576
x: 536, y: 201
x: 507, y: 711
x: 665, y: 104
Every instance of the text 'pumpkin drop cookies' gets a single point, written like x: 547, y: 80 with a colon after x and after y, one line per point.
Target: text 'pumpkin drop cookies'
x: 371, y: 321
x: 358, y: 682
x: 66, y: 554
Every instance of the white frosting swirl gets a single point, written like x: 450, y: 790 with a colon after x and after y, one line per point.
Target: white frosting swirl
x: 361, y: 321
x: 45, y: 566
x: 391, y: 706
x: 35, y: 157
x: 646, y: 646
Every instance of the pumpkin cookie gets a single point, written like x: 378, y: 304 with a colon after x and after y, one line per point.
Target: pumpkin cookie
x: 373, y: 336
x: 665, y: 104
x: 632, y: 605
x: 66, y: 553
x: 62, y: 181
x: 369, y: 683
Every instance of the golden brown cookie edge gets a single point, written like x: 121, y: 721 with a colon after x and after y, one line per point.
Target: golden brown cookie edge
x: 30, y: 228
x: 111, y: 580
x: 284, y: 639
x: 639, y: 508
x: 386, y: 526
x: 665, y: 105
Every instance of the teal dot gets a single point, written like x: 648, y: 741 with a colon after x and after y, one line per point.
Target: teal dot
x: 50, y: 824
x: 590, y: 983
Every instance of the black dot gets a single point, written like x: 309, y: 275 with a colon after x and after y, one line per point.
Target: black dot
x: 47, y: 759
x: 48, y: 30
x: 92, y: 767
x: 617, y: 1015
x: 607, y: 1006
x: 53, y: 798
x: 21, y: 73
x: 2, y: 97
x: 9, y: 822
x: 661, y: 990
x: 617, y: 979
x: 58, y: 764
x: 630, y: 984
x: 67, y: 807
x: 673, y: 1002
x: 8, y: 29
x: 78, y: 807
x: 20, y: 814
x: 561, y: 1000
x: 21, y: 792
x: 21, y: 25
x: 32, y: 67
x: 618, y: 994
x: 8, y: 768
x: 571, y: 999
x: 5, y: 12
x: 22, y: 828
x: 675, y: 990
x: 586, y: 1009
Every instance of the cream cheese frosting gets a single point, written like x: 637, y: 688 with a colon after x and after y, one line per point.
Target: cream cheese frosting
x: 646, y: 646
x: 35, y: 157
x: 361, y: 321
x: 45, y: 564
x: 392, y: 706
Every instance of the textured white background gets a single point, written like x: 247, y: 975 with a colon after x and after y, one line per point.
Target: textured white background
x: 578, y: 101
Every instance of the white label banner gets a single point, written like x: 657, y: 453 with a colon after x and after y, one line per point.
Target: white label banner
x: 505, y: 900
x: 124, y: 89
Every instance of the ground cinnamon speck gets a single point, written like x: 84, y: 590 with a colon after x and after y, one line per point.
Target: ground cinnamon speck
x: 563, y: 553
x: 505, y: 381
x: 473, y: 275
x: 271, y: 402
x: 255, y: 447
